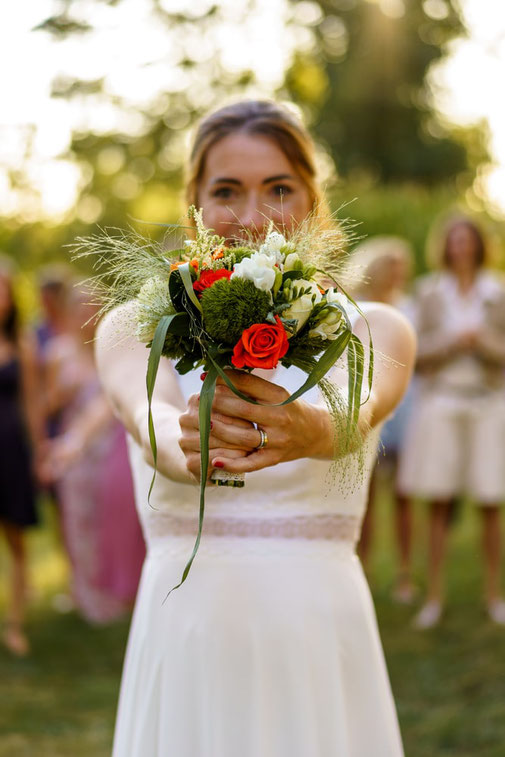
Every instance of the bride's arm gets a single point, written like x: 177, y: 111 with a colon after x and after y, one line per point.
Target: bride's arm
x: 301, y: 429
x: 122, y: 365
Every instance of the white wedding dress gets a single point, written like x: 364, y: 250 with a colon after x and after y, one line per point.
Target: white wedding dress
x: 270, y: 648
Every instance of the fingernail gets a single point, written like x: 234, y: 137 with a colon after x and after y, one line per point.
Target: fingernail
x: 211, y: 424
x: 203, y: 375
x: 218, y: 464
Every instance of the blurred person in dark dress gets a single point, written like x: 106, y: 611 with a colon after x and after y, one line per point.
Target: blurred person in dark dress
x: 20, y: 436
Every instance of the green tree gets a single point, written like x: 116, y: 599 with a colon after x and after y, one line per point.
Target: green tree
x: 375, y: 112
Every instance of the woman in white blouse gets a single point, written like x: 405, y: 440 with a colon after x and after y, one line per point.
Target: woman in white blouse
x: 456, y: 441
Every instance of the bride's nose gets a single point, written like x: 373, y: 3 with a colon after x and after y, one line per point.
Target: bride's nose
x: 250, y: 219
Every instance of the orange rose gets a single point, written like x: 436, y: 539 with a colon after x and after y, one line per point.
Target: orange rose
x: 193, y: 263
x: 261, y: 346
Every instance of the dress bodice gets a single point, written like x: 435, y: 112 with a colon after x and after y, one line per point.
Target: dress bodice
x: 298, y: 489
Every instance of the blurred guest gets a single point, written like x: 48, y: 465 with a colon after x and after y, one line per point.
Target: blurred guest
x: 54, y: 284
x: 455, y: 443
x: 383, y: 266
x: 89, y: 462
x: 20, y: 424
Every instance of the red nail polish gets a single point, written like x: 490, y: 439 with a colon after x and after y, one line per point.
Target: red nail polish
x: 203, y: 375
x: 218, y: 464
x: 211, y: 425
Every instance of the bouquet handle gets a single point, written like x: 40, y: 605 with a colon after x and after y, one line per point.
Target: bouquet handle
x: 225, y: 478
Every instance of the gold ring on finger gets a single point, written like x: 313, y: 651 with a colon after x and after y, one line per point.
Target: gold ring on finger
x: 263, y: 439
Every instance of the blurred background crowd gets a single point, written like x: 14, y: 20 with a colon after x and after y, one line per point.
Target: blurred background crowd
x: 403, y: 100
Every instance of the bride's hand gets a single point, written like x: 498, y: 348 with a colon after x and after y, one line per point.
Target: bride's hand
x: 293, y: 431
x: 230, y: 438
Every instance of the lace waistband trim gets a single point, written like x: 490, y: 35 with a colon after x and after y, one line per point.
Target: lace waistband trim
x: 327, y: 526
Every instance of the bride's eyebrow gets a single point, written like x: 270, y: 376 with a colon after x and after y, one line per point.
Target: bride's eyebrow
x: 237, y: 182
x: 280, y: 177
x: 225, y: 180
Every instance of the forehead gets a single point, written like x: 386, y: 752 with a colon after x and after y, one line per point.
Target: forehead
x: 461, y: 229
x: 246, y: 157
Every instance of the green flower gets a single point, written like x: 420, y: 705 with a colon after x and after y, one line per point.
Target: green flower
x: 230, y: 306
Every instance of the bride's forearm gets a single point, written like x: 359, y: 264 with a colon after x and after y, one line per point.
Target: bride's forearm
x: 328, y: 439
x: 171, y: 461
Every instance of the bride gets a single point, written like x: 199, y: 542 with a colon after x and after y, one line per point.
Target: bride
x: 270, y: 648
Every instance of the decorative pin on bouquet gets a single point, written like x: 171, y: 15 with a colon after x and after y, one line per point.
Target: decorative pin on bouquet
x: 248, y: 306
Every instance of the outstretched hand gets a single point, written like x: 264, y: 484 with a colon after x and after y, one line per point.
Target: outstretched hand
x: 293, y: 431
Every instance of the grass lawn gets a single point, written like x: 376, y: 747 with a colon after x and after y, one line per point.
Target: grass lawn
x: 449, y: 683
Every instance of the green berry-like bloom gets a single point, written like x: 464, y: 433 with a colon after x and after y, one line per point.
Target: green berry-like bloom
x: 174, y: 346
x: 230, y: 306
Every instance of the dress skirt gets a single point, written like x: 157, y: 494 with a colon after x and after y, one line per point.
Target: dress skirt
x: 270, y: 649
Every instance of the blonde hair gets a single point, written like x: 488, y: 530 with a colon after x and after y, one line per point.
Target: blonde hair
x: 264, y: 118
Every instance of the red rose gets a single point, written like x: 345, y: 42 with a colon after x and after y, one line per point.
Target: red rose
x: 261, y: 346
x: 207, y: 278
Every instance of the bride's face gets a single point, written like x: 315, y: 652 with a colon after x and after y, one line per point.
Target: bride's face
x: 248, y: 180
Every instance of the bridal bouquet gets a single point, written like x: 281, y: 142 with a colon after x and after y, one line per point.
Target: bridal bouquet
x: 254, y: 305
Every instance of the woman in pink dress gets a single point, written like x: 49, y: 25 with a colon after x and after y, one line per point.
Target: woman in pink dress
x: 89, y: 462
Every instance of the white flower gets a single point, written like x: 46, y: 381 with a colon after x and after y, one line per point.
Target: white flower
x: 301, y: 308
x: 272, y: 246
x: 344, y: 302
x: 329, y: 326
x: 338, y: 298
x: 293, y: 262
x: 259, y: 268
x: 153, y: 302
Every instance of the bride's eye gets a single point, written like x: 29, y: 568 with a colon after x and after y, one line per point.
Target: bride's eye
x: 223, y: 193
x: 281, y: 190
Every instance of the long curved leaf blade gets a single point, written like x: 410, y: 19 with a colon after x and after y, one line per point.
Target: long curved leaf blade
x: 204, y: 414
x: 152, y: 371
x: 323, y: 365
x: 188, y: 285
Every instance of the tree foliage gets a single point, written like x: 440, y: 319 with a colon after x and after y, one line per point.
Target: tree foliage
x: 375, y: 112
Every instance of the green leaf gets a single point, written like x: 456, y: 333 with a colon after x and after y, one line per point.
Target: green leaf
x: 180, y: 324
x: 359, y: 368
x: 323, y: 365
x: 204, y: 414
x: 152, y: 371
x: 187, y: 363
x: 185, y: 275
x: 370, y: 349
x: 176, y: 289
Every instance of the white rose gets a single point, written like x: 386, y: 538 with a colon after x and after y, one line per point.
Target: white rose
x: 259, y: 268
x: 301, y: 308
x: 329, y: 326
